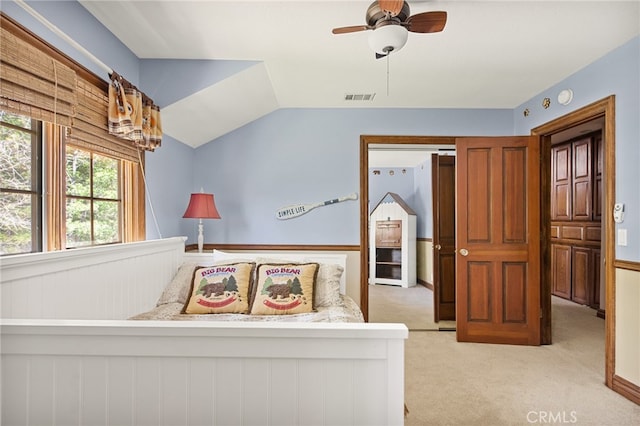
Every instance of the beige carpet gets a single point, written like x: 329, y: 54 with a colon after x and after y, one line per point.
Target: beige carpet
x: 450, y: 383
x: 412, y: 306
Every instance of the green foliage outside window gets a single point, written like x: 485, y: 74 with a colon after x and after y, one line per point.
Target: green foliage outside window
x: 93, y: 205
x: 18, y: 189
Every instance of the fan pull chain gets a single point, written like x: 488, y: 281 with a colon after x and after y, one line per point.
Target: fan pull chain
x: 388, y: 73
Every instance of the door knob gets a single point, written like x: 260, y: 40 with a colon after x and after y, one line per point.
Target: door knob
x: 464, y: 252
x: 437, y: 246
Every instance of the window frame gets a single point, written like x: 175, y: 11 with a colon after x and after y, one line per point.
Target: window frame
x: 36, y: 183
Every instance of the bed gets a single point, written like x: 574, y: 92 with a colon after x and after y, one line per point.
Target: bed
x: 71, y: 354
x: 331, y: 304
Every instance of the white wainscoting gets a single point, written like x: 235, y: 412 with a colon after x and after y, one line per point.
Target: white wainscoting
x: 104, y: 282
x: 184, y: 373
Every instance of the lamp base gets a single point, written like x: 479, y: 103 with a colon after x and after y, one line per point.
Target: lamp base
x: 200, y: 236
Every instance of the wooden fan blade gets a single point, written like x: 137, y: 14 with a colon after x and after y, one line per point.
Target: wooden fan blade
x: 393, y: 7
x: 427, y: 22
x: 352, y: 29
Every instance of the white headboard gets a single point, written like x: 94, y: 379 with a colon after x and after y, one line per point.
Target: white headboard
x: 320, y: 257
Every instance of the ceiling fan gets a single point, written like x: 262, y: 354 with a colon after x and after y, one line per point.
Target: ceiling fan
x: 391, y: 21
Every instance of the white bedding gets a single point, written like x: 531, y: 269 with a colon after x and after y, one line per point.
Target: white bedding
x: 347, y: 311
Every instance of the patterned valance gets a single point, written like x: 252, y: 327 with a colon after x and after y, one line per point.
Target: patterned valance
x: 132, y: 115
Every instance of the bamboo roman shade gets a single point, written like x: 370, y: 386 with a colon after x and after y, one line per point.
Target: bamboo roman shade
x: 33, y: 83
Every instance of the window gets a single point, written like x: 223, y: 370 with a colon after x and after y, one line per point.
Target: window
x: 65, y: 181
x: 93, y: 204
x: 100, y: 199
x: 20, y: 184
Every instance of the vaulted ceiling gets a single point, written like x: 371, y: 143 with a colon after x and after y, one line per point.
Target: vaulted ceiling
x: 491, y: 54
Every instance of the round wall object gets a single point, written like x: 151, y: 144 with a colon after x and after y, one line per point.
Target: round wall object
x: 565, y: 96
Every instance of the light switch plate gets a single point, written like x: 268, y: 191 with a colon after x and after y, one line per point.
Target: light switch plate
x: 622, y: 237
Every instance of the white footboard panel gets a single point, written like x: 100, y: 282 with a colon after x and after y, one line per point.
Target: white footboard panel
x: 59, y: 372
x: 104, y: 282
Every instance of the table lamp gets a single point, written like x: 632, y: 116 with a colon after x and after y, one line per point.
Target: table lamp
x: 201, y: 206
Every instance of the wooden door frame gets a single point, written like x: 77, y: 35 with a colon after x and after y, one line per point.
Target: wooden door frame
x: 604, y: 108
x: 365, y: 142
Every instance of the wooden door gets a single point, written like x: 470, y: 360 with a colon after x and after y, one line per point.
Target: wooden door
x: 561, y: 182
x: 561, y: 270
x: 582, y: 192
x: 581, y: 274
x: 598, y: 167
x: 594, y: 297
x: 443, y: 181
x: 498, y: 240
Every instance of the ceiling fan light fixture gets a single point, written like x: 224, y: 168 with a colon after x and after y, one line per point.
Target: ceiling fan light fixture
x: 388, y: 38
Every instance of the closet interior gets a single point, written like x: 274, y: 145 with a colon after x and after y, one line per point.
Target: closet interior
x: 576, y: 213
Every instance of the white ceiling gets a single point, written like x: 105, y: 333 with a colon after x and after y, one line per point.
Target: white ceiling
x: 491, y: 54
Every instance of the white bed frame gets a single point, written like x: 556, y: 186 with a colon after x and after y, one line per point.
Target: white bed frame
x: 69, y: 356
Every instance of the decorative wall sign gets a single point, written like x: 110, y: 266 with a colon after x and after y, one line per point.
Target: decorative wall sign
x: 295, y: 210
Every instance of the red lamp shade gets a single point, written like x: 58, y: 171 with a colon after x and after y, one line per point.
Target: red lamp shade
x: 201, y: 206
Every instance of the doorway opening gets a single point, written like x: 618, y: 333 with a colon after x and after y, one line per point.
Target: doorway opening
x: 604, y: 110
x: 401, y: 201
x: 600, y: 116
x: 373, y: 143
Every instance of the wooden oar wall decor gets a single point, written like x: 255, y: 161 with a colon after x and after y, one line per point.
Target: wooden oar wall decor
x: 295, y: 210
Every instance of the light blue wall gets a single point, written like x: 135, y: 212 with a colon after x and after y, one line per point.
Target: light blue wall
x: 617, y: 73
x: 423, y: 200
x: 308, y: 155
x: 169, y: 184
x: 391, y: 179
